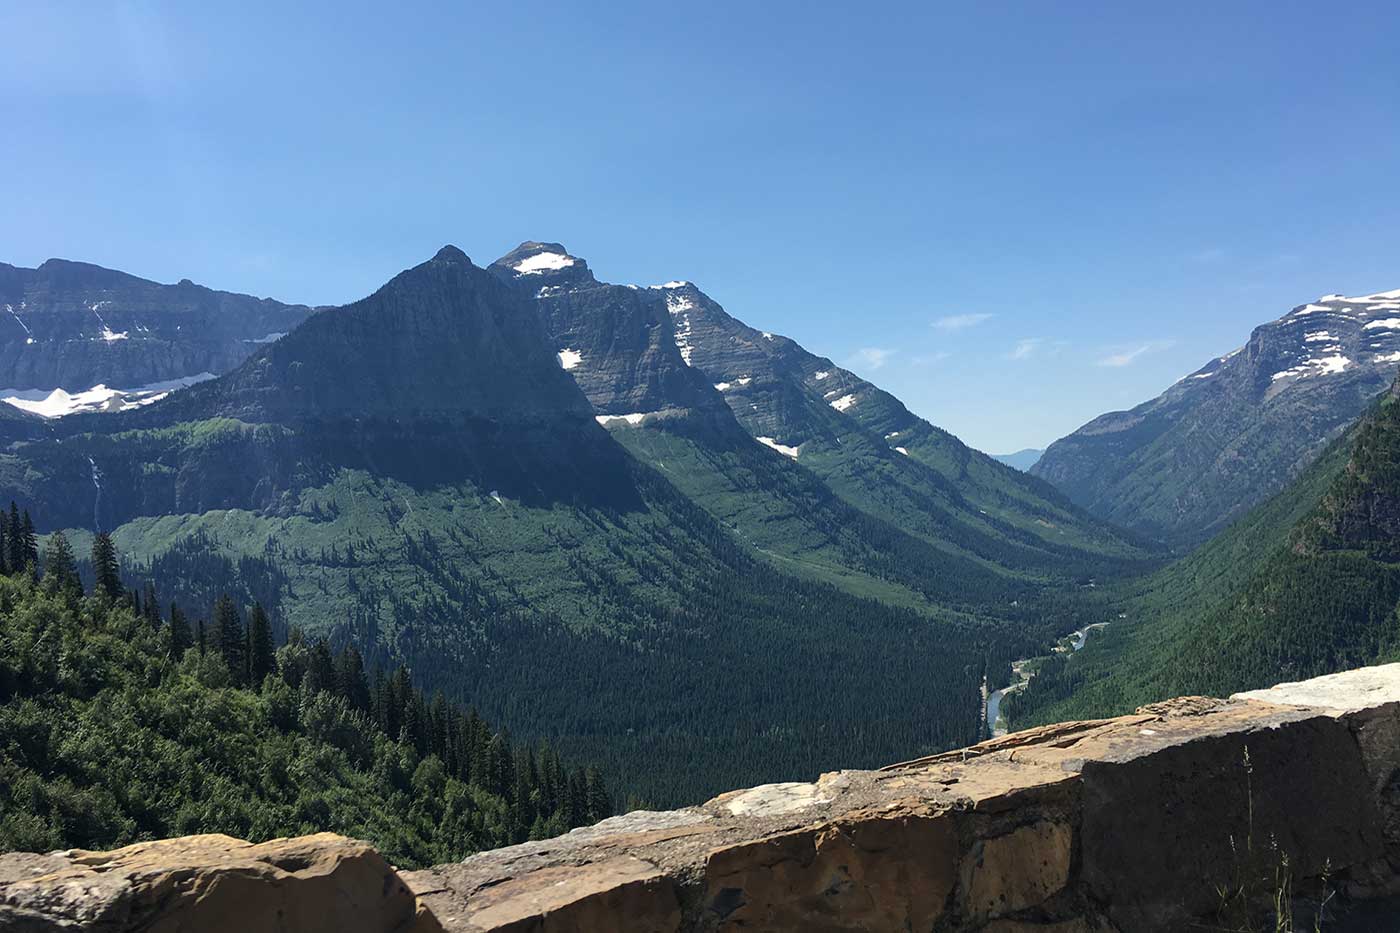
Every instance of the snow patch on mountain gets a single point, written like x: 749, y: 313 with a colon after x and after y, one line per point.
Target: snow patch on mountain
x: 1389, y: 323
x: 569, y: 358
x: 634, y: 418
x: 902, y: 450
x: 844, y: 402
x: 1320, y: 366
x: 56, y: 403
x: 28, y: 334
x: 680, y: 307
x: 543, y: 262
x: 780, y: 448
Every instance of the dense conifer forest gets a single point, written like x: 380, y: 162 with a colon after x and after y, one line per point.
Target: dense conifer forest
x: 123, y: 719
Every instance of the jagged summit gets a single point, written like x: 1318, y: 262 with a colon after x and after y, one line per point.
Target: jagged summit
x: 543, y: 265
x: 450, y: 253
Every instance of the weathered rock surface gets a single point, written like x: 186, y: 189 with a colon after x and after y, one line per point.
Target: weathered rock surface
x: 211, y: 884
x: 1128, y: 825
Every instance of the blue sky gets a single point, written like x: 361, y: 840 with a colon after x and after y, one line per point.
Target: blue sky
x: 1014, y: 216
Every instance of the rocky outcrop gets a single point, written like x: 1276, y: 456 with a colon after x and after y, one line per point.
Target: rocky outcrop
x: 1130, y: 824
x: 211, y: 884
x: 1157, y: 821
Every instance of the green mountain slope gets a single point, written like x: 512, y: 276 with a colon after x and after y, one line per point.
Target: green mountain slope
x: 1305, y: 584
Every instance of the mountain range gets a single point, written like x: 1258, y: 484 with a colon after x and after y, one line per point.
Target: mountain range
x: 690, y: 551
x: 1188, y: 463
x: 599, y: 513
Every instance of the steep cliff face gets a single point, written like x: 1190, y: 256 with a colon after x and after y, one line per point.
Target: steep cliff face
x: 1189, y: 462
x: 73, y: 325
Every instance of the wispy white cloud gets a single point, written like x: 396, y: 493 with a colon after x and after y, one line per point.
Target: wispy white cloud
x: 1025, y: 348
x: 955, y: 322
x: 1126, y: 356
x: 926, y: 359
x: 873, y: 357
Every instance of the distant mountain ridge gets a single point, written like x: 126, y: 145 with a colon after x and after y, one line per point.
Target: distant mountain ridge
x: 1022, y: 459
x: 1187, y: 463
x: 74, y: 325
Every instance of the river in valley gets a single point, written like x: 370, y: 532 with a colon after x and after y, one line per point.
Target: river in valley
x: 1075, y: 641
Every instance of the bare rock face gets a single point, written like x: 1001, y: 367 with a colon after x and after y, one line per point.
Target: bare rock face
x: 211, y: 884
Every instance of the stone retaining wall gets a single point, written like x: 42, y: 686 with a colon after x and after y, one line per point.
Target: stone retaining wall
x: 1130, y: 824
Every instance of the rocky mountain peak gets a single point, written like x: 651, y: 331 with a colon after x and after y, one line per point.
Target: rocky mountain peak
x: 451, y: 254
x: 548, y: 264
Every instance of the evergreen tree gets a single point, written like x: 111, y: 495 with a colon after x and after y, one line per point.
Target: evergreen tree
x: 180, y: 632
x: 350, y: 679
x: 151, y: 605
x: 320, y: 668
x: 105, y: 567
x: 261, y: 658
x: 14, y: 540
x: 60, y: 567
x: 203, y: 639
x: 228, y: 624
x: 29, y: 543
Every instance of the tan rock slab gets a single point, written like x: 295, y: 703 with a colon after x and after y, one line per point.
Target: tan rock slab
x: 614, y: 894
x: 212, y: 884
x: 868, y: 872
x: 1021, y: 869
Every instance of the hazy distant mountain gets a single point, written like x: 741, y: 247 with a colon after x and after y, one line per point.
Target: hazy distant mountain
x: 72, y: 325
x: 1022, y: 459
x: 1187, y: 463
